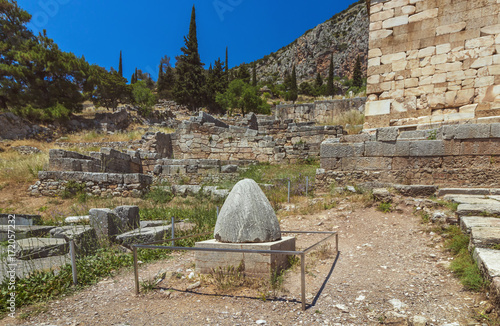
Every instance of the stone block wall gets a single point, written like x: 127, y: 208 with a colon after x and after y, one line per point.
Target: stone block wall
x: 273, y: 142
x: 319, y: 111
x: 53, y: 183
x: 465, y: 155
x: 433, y: 61
x: 197, y: 171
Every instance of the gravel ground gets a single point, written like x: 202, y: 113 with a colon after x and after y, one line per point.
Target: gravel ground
x: 389, y: 269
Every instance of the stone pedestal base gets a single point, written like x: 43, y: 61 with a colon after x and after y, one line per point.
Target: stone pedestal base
x: 254, y: 264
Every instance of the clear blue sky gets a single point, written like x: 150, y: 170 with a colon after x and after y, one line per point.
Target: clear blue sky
x: 149, y: 29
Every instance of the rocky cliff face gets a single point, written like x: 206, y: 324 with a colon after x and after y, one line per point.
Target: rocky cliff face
x: 345, y: 35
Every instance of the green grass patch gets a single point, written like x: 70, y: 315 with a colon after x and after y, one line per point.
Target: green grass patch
x: 41, y: 286
x: 463, y: 265
x: 385, y: 207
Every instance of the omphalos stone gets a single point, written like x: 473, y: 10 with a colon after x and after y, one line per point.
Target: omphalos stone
x: 247, y: 216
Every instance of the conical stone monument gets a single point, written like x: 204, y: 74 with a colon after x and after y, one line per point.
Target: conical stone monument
x: 247, y: 216
x: 246, y: 221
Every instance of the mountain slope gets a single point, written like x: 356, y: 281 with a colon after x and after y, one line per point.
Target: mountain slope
x: 345, y: 35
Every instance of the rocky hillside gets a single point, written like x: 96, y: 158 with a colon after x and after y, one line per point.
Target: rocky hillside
x: 345, y: 35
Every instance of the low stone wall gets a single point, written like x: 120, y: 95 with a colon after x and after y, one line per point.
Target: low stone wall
x: 319, y: 111
x: 118, y: 145
x: 273, y: 142
x: 54, y: 183
x: 451, y: 156
x: 108, y: 160
x: 197, y: 171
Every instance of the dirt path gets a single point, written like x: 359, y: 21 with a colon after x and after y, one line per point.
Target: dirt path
x: 388, y: 269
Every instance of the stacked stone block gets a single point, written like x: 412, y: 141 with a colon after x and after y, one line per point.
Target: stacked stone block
x: 319, y: 111
x: 273, y: 142
x: 453, y: 156
x: 433, y: 61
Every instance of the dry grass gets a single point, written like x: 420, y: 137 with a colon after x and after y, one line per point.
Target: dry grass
x: 16, y: 168
x: 94, y: 136
x: 352, y: 121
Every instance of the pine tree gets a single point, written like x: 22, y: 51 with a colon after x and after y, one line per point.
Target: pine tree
x: 120, y: 66
x: 357, y: 78
x: 244, y: 74
x: 254, y: 75
x: 330, y: 87
x: 189, y: 88
x: 216, y: 84
x: 293, y: 86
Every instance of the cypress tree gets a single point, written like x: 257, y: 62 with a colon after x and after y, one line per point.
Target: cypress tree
x: 293, y: 86
x: 319, y: 81
x: 330, y: 87
x: 357, y: 78
x: 120, y: 66
x: 254, y: 75
x: 227, y: 65
x: 189, y: 88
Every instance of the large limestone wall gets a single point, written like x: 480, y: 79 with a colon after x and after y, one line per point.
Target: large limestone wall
x: 461, y: 155
x: 433, y: 61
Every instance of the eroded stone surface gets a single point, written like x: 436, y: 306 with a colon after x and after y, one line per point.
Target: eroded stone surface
x: 247, y: 216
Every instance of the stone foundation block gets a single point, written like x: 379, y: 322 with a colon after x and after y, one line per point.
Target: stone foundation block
x: 106, y: 223
x: 32, y: 248
x: 254, y: 264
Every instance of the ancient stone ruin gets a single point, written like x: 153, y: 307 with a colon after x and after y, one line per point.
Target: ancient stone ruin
x: 246, y: 221
x: 247, y: 216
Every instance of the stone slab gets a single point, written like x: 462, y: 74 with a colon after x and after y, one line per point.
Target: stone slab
x: 463, y: 191
x: 469, y: 222
x: 77, y: 219
x: 416, y: 190
x: 478, y: 209
x: 254, y: 264
x: 106, y: 223
x: 488, y: 261
x: 335, y: 149
x: 32, y: 248
x: 473, y: 199
x: 24, y: 231
x: 151, y: 234
x: 85, y: 237
x: 149, y: 224
x: 484, y: 237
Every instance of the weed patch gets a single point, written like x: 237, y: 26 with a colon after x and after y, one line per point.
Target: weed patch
x: 464, y: 267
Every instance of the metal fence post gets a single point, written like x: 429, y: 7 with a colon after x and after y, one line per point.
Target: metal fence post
x: 289, y: 191
x: 136, y: 270
x: 173, y: 231
x: 73, y: 260
x: 303, y: 279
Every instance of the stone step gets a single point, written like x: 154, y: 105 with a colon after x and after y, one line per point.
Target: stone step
x: 32, y: 248
x: 488, y: 261
x: 484, y: 237
x: 468, y: 191
x: 24, y: 231
x: 468, y: 222
x: 484, y: 209
x: 471, y: 199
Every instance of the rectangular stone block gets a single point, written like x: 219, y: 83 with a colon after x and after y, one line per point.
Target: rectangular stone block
x: 427, y: 148
x: 378, y: 107
x: 338, y: 150
x: 105, y: 222
x: 387, y: 149
x: 366, y: 163
x: 330, y: 163
x: 254, y: 264
x: 387, y: 134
